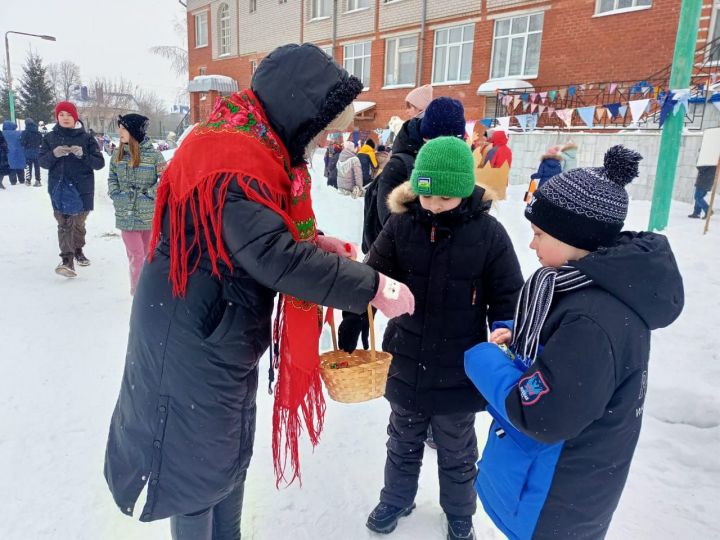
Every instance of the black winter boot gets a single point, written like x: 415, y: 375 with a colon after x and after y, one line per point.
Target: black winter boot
x: 66, y: 267
x: 80, y: 257
x: 384, y: 517
x: 460, y: 528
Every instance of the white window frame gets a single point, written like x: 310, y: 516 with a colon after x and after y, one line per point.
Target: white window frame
x: 328, y: 50
x: 436, y: 80
x: 354, y: 5
x: 714, y: 18
x: 253, y: 67
x: 364, y: 57
x: 224, y: 30
x: 201, y: 22
x: 509, y: 36
x: 315, y: 9
x: 253, y: 6
x: 398, y: 50
x: 617, y: 10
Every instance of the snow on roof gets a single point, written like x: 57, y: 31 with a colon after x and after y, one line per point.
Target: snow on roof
x: 362, y: 106
x: 489, y: 87
x: 205, y: 83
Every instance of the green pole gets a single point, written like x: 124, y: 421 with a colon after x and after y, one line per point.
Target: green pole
x: 671, y: 138
x: 11, y: 95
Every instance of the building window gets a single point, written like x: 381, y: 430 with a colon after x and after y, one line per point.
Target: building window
x: 400, y: 60
x: 328, y: 51
x: 608, y: 6
x: 202, y: 71
x: 516, y: 46
x: 201, y: 30
x: 320, y: 8
x: 224, y: 29
x: 353, y: 5
x: 453, y: 54
x: 253, y: 6
x: 357, y: 61
x: 253, y: 67
x: 715, y: 34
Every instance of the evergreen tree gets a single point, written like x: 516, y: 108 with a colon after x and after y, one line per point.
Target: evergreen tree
x: 4, y: 95
x: 35, y: 95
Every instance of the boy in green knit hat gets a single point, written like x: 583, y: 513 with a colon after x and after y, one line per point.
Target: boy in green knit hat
x: 461, y: 267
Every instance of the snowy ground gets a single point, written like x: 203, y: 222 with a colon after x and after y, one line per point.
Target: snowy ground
x: 63, y: 345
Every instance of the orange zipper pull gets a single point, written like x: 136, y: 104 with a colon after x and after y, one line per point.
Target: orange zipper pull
x: 432, y: 235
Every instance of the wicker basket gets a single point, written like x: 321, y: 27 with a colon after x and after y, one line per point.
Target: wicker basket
x: 357, y: 377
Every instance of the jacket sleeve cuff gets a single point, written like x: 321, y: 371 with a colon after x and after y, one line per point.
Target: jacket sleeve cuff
x: 493, y: 374
x: 502, y: 324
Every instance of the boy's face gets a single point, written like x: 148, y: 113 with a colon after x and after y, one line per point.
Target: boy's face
x: 65, y: 119
x: 551, y: 251
x: 438, y: 205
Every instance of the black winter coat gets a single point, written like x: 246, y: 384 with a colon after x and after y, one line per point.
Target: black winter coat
x: 79, y: 170
x: 4, y: 165
x: 705, y: 177
x: 185, y: 418
x: 462, y: 269
x: 397, y: 170
x: 31, y: 140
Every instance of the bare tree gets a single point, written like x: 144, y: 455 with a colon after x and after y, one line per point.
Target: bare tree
x: 64, y: 76
x: 152, y: 106
x: 178, y: 57
x: 108, y: 98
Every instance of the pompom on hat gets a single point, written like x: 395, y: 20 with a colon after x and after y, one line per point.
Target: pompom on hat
x: 586, y: 207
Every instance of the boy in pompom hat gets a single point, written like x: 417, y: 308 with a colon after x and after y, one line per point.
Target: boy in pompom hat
x: 461, y: 267
x: 566, y: 380
x: 71, y: 156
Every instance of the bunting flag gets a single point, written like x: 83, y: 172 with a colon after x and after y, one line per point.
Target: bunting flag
x: 682, y: 97
x: 645, y: 90
x: 504, y: 123
x: 637, y: 108
x: 551, y: 111
x: 543, y: 96
x: 469, y: 128
x: 516, y: 102
x: 346, y: 136
x: 613, y: 87
x: 600, y: 113
x: 525, y: 97
x: 487, y: 122
x: 385, y: 135
x: 613, y: 109
x: 587, y: 114
x: 533, y: 121
x: 571, y: 91
x: 533, y: 96
x: 562, y: 92
x: 541, y: 109
x: 623, y: 111
x: 522, y: 120
x: 552, y: 94
x: 715, y: 77
x: 533, y: 107
x: 526, y: 106
x: 667, y: 106
x: 565, y: 115
x: 583, y: 87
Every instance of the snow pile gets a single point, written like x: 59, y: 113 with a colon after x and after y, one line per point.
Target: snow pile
x: 63, y: 351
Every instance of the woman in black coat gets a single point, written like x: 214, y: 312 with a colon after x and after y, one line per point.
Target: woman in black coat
x: 184, y: 423
x: 4, y: 166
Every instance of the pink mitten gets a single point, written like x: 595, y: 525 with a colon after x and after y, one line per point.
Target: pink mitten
x: 335, y: 245
x: 393, y: 298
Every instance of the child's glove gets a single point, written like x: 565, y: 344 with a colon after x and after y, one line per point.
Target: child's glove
x: 351, y: 328
x: 335, y: 245
x: 77, y: 150
x: 393, y: 298
x: 61, y: 151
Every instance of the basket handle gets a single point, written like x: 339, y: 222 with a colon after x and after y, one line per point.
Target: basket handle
x: 371, y: 319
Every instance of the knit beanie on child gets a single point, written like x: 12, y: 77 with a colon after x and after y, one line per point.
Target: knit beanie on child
x: 444, y: 117
x: 66, y: 106
x: 586, y: 208
x: 444, y: 167
x: 136, y: 124
x: 420, y: 97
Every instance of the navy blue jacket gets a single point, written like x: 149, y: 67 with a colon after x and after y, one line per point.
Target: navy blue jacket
x: 16, y: 155
x: 549, y: 167
x: 565, y: 430
x: 31, y: 140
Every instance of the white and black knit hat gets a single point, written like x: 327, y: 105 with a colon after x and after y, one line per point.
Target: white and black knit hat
x: 586, y: 207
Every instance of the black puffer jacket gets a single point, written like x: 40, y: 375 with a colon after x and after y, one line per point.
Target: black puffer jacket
x: 464, y: 273
x: 705, y: 177
x: 397, y: 170
x: 4, y: 166
x: 31, y: 140
x: 185, y: 418
x: 79, y: 170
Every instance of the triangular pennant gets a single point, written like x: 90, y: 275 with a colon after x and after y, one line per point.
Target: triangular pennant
x: 551, y: 111
x: 533, y: 96
x: 470, y: 127
x: 385, y: 136
x: 637, y: 108
x: 562, y: 92
x: 645, y: 90
x: 504, y: 123
x: 565, y: 115
x: 533, y: 121
x: 583, y: 86
x: 525, y: 97
x: 572, y: 91
x: 516, y: 102
x: 612, y: 88
x: 613, y: 109
x: 587, y: 114
x: 487, y: 122
x: 533, y: 107
x: 543, y: 96
x: 600, y: 113
x: 552, y: 94
x: 522, y: 120
x: 623, y: 111
x: 526, y: 106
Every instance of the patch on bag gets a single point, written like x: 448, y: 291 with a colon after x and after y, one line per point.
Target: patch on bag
x: 532, y: 388
x: 424, y: 185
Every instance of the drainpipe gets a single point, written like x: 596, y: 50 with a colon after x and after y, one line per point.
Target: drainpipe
x: 422, y: 44
x: 183, y: 4
x: 334, y: 28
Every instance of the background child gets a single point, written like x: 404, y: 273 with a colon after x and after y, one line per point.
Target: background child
x: 568, y: 408
x: 31, y: 141
x: 550, y: 165
x: 349, y: 172
x: 461, y: 267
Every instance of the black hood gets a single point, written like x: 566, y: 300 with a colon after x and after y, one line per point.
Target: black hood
x: 639, y: 270
x: 30, y: 126
x: 68, y: 132
x: 408, y: 140
x: 302, y: 90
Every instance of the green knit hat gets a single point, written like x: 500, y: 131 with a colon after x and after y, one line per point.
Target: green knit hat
x: 444, y: 167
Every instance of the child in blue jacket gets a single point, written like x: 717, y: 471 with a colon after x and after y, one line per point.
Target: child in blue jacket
x: 567, y: 396
x: 550, y: 165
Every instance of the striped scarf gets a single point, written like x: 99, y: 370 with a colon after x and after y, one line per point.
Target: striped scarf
x: 534, y: 305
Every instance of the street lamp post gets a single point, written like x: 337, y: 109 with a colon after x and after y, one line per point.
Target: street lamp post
x: 11, y: 95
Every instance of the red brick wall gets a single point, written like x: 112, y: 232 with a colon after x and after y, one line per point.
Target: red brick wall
x: 576, y: 48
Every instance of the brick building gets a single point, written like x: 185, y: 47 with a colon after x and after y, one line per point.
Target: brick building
x: 461, y: 47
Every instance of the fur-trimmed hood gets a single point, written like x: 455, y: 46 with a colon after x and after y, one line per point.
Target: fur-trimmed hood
x: 552, y: 156
x: 401, y: 199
